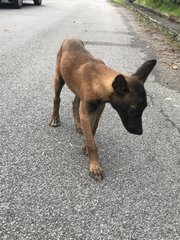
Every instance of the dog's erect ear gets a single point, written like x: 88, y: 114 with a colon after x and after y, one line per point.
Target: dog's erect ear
x: 120, y: 84
x: 143, y: 72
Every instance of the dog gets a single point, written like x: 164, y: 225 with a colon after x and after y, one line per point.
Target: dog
x: 95, y: 84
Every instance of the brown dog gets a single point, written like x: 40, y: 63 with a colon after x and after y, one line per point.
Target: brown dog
x: 95, y: 84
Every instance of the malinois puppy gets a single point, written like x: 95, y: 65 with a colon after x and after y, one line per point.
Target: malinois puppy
x: 95, y: 84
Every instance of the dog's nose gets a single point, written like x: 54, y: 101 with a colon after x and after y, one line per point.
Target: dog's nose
x: 139, y: 132
x: 136, y: 131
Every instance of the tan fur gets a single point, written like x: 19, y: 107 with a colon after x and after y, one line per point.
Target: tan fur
x: 90, y: 80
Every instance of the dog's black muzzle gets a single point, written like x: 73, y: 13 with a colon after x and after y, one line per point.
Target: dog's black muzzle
x: 133, y: 125
x: 136, y: 131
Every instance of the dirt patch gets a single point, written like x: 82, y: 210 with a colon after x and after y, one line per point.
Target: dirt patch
x: 174, y: 19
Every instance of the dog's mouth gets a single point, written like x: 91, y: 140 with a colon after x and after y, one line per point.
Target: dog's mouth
x: 134, y: 128
x: 135, y: 131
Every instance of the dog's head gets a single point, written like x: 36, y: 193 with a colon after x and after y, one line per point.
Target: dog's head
x: 129, y: 97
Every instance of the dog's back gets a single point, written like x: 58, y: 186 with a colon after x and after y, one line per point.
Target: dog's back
x: 74, y: 61
x: 74, y: 50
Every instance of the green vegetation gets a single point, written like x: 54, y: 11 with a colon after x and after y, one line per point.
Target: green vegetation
x: 168, y: 7
x: 121, y: 2
x: 173, y: 11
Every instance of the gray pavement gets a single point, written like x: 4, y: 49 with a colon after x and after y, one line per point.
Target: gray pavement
x: 46, y: 192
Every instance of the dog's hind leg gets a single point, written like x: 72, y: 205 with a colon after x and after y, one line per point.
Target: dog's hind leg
x: 58, y: 85
x: 77, y: 123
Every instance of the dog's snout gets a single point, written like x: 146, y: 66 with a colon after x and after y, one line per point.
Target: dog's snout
x: 136, y: 131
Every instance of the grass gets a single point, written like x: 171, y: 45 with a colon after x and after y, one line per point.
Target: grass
x: 174, y: 42
x: 121, y: 2
x: 168, y: 9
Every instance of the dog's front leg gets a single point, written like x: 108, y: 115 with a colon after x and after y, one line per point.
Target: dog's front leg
x: 95, y: 168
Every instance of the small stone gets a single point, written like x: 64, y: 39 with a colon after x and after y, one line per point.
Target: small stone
x: 174, y: 67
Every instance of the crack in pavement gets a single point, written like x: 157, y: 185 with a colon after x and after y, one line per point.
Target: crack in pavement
x: 169, y: 120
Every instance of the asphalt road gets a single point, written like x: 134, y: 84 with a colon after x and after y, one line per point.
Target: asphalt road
x: 46, y: 192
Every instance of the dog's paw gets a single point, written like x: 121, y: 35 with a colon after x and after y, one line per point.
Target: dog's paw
x: 79, y: 130
x: 54, y: 121
x: 95, y: 170
x: 85, y: 151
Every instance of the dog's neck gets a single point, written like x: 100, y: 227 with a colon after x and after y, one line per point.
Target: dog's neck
x: 103, y: 79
